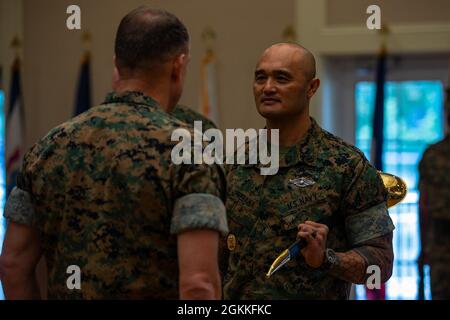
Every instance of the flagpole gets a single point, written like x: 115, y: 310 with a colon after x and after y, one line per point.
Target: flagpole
x: 16, y: 45
x: 83, y: 90
x: 208, y: 90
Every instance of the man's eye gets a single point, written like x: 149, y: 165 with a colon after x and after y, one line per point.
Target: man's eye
x: 282, y: 79
x: 260, y: 78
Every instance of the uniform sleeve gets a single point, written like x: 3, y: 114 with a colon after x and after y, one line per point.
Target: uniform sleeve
x: 19, y: 205
x: 199, y: 191
x: 365, y: 206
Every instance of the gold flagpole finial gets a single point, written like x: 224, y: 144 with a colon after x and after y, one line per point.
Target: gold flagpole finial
x: 208, y: 38
x: 385, y: 29
x: 384, y: 33
x: 16, y: 44
x: 86, y: 40
x: 289, y: 34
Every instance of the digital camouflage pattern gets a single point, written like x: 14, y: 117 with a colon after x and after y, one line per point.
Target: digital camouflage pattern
x: 322, y: 179
x: 187, y: 214
x: 104, y: 192
x: 188, y: 116
x: 20, y: 207
x: 434, y: 187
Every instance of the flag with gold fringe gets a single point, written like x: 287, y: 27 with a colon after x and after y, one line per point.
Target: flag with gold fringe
x: 208, y: 93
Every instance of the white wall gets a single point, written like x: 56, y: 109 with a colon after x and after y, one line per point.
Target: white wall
x: 52, y: 53
x: 244, y: 28
x: 338, y: 28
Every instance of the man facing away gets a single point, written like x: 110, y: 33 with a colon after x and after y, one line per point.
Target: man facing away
x: 325, y: 192
x: 434, y: 185
x: 100, y: 193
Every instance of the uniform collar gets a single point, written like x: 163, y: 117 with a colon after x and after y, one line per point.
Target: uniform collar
x: 305, y: 151
x: 131, y: 97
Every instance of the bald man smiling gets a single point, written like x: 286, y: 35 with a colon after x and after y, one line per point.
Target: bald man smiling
x: 325, y: 192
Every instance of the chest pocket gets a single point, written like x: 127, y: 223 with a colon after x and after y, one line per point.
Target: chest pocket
x: 241, y: 208
x: 299, y: 204
x: 317, y: 211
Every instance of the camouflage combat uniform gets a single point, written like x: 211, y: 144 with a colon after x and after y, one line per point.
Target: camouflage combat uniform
x: 322, y: 179
x: 105, y: 196
x: 188, y: 116
x: 435, y: 193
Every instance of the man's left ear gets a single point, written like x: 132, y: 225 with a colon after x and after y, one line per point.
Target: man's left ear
x: 178, y: 66
x: 313, y: 86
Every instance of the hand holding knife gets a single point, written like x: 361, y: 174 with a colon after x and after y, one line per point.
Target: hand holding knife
x: 396, y: 189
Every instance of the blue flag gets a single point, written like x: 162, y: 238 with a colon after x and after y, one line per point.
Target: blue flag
x: 83, y: 97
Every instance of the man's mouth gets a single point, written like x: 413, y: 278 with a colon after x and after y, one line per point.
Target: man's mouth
x: 270, y: 101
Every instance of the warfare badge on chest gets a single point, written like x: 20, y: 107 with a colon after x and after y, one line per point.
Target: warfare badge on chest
x: 301, y: 182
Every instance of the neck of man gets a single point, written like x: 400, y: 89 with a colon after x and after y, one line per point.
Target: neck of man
x: 157, y: 90
x: 292, y: 129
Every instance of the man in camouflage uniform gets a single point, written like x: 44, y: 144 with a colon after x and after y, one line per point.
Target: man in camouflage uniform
x: 434, y: 188
x: 100, y: 191
x: 325, y: 192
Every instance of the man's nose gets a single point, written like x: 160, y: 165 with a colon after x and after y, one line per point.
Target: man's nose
x: 269, y: 86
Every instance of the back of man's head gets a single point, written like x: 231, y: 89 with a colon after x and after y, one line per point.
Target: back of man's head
x: 149, y: 37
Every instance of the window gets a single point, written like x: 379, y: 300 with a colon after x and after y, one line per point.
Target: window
x: 413, y: 120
